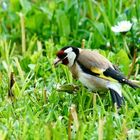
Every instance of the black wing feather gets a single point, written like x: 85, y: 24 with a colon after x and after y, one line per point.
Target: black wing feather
x: 115, y: 74
x: 86, y: 70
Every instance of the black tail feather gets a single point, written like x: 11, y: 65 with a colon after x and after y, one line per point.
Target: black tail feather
x: 116, y: 98
x: 115, y: 74
x: 133, y: 85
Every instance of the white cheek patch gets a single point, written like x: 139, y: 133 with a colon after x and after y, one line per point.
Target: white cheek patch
x: 71, y: 57
x: 68, y: 50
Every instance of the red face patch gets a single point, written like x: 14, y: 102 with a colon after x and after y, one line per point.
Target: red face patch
x: 65, y: 61
x: 61, y: 54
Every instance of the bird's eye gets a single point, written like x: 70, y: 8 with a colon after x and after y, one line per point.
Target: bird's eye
x: 61, y: 54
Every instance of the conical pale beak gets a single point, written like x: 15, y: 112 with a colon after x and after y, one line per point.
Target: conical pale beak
x: 57, y: 61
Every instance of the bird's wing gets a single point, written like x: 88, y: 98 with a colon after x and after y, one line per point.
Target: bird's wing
x: 95, y: 64
x: 93, y: 59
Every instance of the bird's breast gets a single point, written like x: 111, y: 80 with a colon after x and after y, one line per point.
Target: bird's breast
x: 74, y: 70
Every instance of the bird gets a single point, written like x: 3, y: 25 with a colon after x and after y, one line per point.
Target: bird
x: 94, y: 71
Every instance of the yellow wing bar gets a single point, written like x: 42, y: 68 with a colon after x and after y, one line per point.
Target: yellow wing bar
x: 101, y: 75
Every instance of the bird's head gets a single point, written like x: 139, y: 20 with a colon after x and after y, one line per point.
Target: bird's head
x: 67, y: 56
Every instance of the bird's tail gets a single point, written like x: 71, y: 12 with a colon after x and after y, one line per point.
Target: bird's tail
x: 131, y: 84
x: 116, y: 98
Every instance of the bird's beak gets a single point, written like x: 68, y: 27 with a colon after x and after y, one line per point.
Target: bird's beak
x: 57, y: 61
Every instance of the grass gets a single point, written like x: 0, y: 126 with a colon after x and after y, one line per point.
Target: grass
x: 35, y: 108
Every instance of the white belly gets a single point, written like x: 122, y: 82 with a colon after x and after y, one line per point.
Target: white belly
x: 93, y: 82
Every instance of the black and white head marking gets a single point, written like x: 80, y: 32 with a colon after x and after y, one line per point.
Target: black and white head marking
x: 72, y: 54
x: 67, y: 56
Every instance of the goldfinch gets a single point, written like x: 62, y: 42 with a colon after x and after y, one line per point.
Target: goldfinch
x: 94, y: 71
